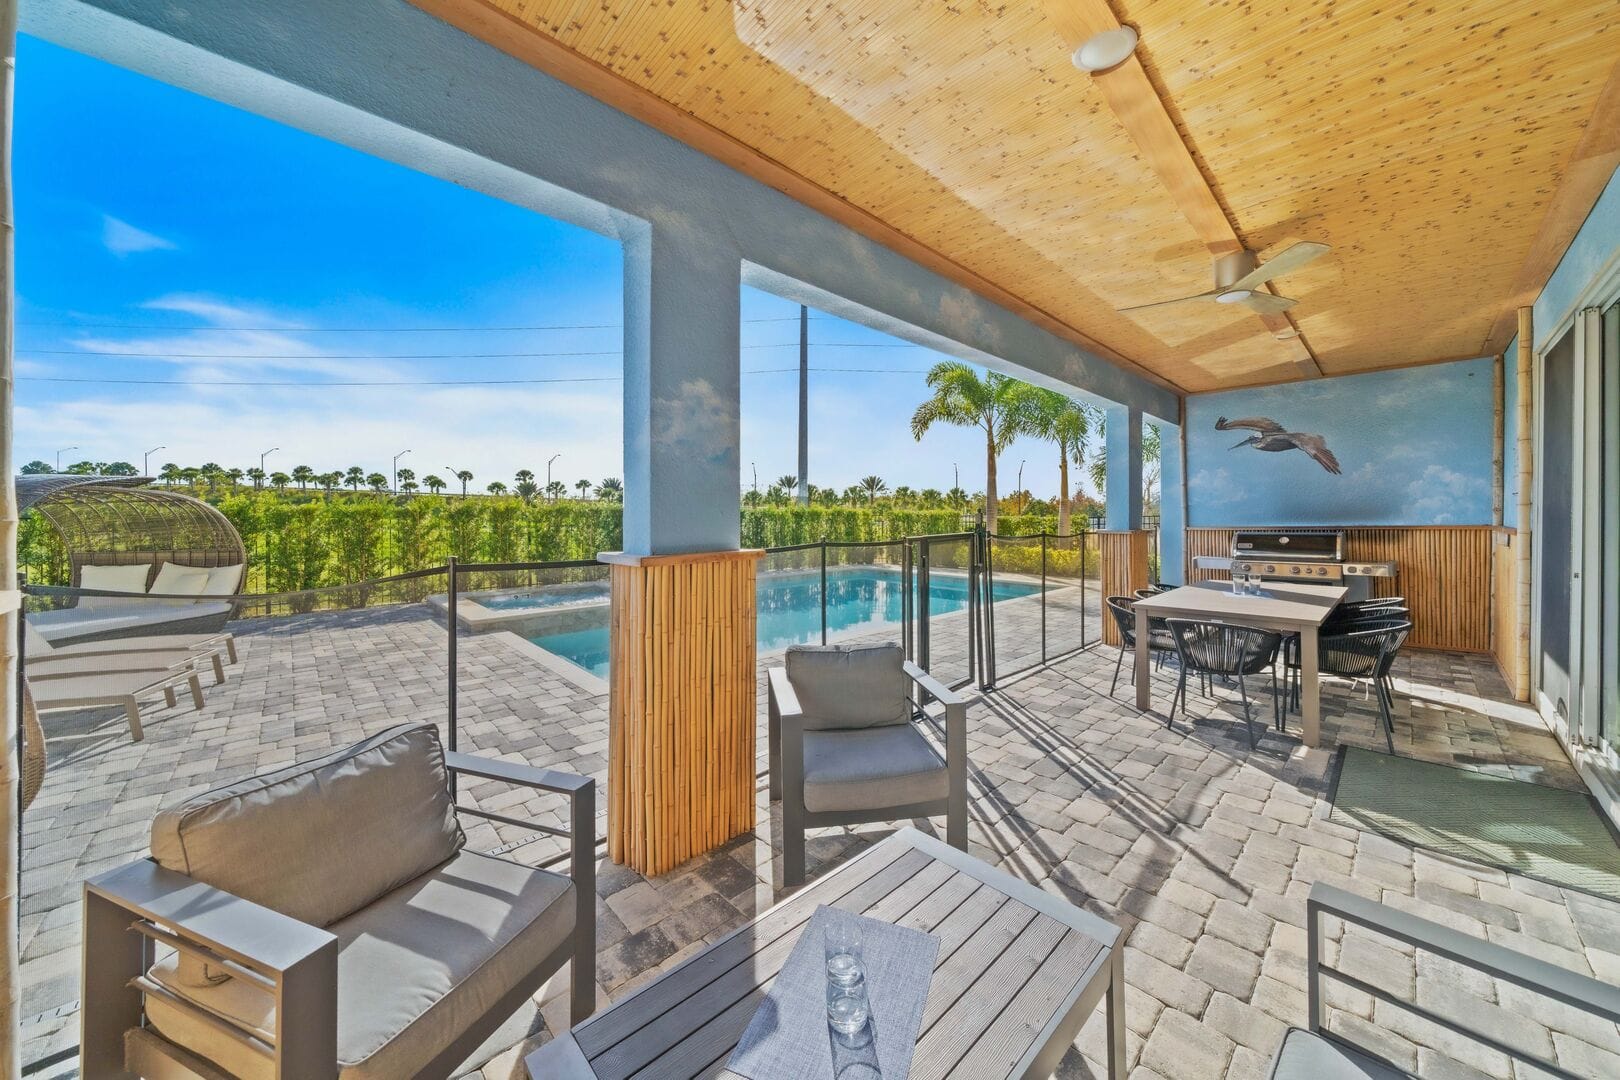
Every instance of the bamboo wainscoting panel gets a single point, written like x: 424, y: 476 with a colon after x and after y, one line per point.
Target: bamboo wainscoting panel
x: 681, y: 706
x: 1124, y: 570
x: 1444, y: 571
x: 1505, y: 611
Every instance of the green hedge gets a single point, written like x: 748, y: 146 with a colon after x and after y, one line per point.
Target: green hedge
x: 297, y: 541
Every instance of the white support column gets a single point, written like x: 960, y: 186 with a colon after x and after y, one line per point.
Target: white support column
x: 1124, y: 482
x: 682, y: 299
x: 1172, y: 504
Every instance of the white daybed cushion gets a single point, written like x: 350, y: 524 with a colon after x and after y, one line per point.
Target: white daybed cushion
x: 223, y: 580
x: 68, y: 623
x: 176, y: 580
x: 129, y: 579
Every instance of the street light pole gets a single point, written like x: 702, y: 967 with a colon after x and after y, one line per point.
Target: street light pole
x: 455, y: 474
x: 59, y: 454
x: 264, y: 455
x: 146, y: 459
x: 397, y: 456
x: 549, y: 460
x: 1020, y: 491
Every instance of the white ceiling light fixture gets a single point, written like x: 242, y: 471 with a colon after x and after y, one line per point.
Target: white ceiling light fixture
x: 1106, y: 50
x: 1233, y: 296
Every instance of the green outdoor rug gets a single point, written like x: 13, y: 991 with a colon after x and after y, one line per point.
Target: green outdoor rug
x: 1553, y: 835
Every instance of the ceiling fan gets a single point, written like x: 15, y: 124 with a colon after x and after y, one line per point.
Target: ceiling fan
x: 1238, y: 278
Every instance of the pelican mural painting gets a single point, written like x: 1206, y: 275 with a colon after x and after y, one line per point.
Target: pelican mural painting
x: 1272, y: 436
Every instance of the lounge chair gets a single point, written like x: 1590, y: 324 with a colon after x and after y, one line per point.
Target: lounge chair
x: 42, y: 659
x: 196, y: 643
x: 123, y: 688
x: 1315, y: 1053
x: 844, y: 747
x: 331, y: 922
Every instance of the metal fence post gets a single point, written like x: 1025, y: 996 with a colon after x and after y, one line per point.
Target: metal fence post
x: 824, y: 590
x: 450, y: 621
x: 922, y: 605
x: 1043, y: 596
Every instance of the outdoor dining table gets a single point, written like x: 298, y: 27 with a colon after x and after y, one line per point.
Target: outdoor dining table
x: 1291, y: 608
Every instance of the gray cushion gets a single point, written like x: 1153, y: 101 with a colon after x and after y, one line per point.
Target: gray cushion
x: 1304, y: 1056
x: 849, y: 686
x: 871, y: 769
x: 320, y: 839
x: 415, y: 970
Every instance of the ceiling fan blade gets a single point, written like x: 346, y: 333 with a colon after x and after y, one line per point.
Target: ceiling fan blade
x: 1168, y: 303
x: 1287, y: 260
x: 1266, y: 304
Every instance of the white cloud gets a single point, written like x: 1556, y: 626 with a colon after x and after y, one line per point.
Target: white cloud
x: 121, y: 238
x: 1443, y: 496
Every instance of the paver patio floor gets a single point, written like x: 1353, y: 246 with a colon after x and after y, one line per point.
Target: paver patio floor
x: 1199, y: 846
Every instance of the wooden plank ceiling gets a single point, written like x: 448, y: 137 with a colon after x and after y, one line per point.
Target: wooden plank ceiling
x: 1425, y: 142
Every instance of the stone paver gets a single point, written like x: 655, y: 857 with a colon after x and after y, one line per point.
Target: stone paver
x: 1201, y: 848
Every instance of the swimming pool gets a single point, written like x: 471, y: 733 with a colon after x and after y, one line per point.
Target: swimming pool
x: 858, y: 599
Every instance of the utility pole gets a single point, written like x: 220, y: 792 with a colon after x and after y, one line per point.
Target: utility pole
x: 146, y: 459
x: 804, y: 405
x: 1020, y: 492
x: 266, y: 454
x: 397, y: 456
x: 59, y: 454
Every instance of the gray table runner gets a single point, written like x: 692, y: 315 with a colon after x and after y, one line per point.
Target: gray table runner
x: 788, y: 1038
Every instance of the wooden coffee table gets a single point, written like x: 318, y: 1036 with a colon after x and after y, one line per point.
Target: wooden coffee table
x: 1018, y: 973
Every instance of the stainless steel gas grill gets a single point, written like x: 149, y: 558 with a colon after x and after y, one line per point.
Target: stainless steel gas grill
x: 1297, y: 555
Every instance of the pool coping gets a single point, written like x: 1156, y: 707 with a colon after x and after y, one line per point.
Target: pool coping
x: 588, y: 681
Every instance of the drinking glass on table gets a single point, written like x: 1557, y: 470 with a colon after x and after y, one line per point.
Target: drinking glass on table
x: 847, y: 1007
x: 841, y: 941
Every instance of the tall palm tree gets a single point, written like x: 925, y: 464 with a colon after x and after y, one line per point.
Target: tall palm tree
x: 495, y: 487
x: 433, y: 483
x: 1152, y: 448
x: 355, y: 477
x: 233, y: 475
x: 788, y: 484
x: 256, y: 475
x: 330, y: 480
x: 303, y: 474
x: 584, y: 488
x: 526, y: 489
x: 403, y: 477
x: 556, y: 490
x: 994, y: 404
x: 171, y: 474
x: 377, y: 482
x: 611, y: 490
x: 1056, y: 418
x: 280, y: 480
x: 873, y: 486
x: 523, y: 475
x: 465, y: 476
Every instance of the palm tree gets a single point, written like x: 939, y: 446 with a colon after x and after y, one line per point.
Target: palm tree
x: 873, y: 486
x: 611, y: 489
x: 433, y: 483
x: 1056, y: 418
x: 256, y: 475
x: 496, y: 488
x: 329, y: 480
x: 377, y: 482
x: 280, y: 480
x: 556, y: 490
x: 1151, y: 450
x: 355, y: 477
x: 526, y: 489
x: 994, y: 404
x: 405, y: 476
x: 523, y: 475
x: 303, y: 474
x: 465, y: 476
x: 211, y: 471
x: 788, y: 484
x: 408, y: 486
x: 584, y: 488
x: 170, y: 474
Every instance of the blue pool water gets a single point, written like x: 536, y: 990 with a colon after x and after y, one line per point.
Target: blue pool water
x: 790, y: 610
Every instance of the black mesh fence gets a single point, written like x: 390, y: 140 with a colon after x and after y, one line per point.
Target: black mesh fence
x: 1042, y: 598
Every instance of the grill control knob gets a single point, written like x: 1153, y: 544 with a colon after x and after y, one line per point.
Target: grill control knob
x: 1293, y: 569
x: 1271, y: 569
x: 1321, y: 571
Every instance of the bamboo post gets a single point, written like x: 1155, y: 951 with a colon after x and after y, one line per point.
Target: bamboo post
x: 1527, y: 472
x: 10, y: 815
x: 1498, y: 410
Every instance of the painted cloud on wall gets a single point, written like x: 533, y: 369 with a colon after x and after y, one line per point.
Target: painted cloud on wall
x: 1409, y: 447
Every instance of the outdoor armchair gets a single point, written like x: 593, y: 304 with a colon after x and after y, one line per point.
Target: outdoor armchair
x: 1314, y: 1053
x: 327, y: 920
x: 846, y: 748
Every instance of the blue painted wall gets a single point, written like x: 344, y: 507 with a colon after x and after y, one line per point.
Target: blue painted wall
x: 1413, y: 448
x: 1510, y: 434
x: 1594, y: 249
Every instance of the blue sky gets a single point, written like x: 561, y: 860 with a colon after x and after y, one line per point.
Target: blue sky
x: 254, y: 266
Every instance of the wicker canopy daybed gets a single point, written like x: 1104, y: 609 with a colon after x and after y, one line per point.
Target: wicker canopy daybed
x: 120, y: 521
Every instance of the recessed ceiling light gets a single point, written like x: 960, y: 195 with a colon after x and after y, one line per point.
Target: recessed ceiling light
x: 1234, y: 296
x: 1105, y: 50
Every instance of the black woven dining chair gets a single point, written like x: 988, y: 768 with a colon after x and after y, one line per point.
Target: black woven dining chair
x: 1363, y: 649
x: 1160, y: 644
x: 1227, y: 651
x: 1348, y: 616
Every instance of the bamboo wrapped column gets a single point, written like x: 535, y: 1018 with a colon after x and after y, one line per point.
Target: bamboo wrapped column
x: 681, y: 705
x: 1124, y: 570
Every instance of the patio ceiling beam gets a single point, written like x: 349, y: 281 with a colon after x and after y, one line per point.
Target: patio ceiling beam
x: 1145, y: 115
x: 1594, y: 161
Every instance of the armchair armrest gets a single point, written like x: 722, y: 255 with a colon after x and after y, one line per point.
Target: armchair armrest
x: 129, y: 909
x: 936, y: 689
x: 516, y: 772
x: 955, y: 718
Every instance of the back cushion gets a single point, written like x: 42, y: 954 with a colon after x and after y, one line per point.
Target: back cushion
x: 320, y: 839
x: 849, y: 686
x: 176, y: 580
x: 223, y: 580
x: 130, y: 579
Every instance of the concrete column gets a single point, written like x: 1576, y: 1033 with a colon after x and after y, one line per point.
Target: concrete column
x: 681, y: 385
x: 1172, y: 504
x: 1124, y: 494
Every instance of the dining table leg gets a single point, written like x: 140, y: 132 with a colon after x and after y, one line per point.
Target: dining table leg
x: 1140, y: 670
x: 1310, y: 688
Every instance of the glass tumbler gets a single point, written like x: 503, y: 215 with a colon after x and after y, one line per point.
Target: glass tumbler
x: 841, y: 941
x: 846, y: 1002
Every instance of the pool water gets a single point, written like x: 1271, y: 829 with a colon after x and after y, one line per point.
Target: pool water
x: 865, y: 599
